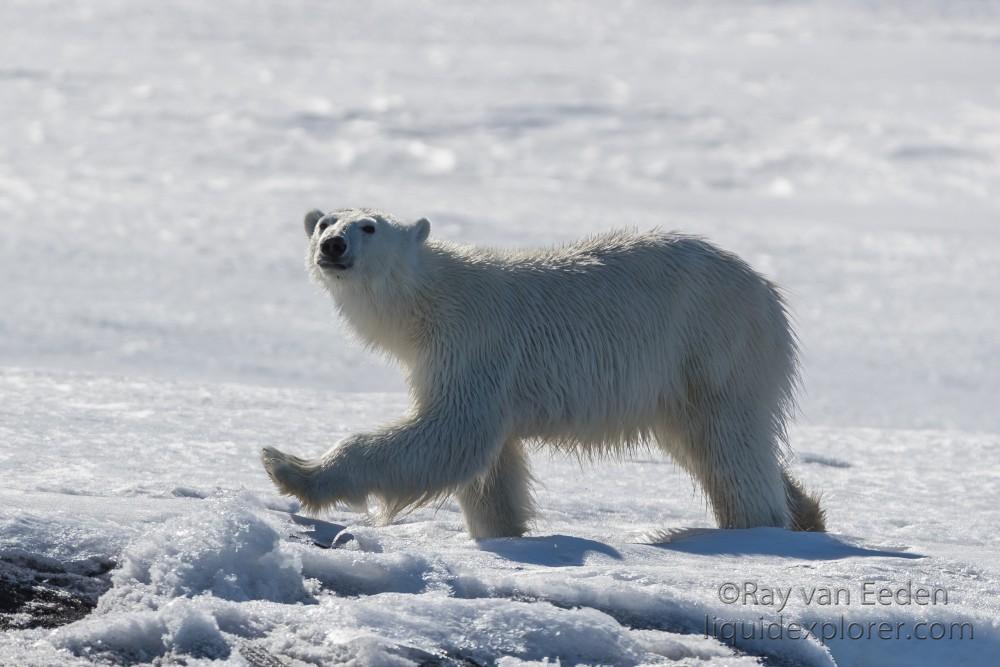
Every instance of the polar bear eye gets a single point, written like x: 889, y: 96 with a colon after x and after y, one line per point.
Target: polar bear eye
x: 368, y: 229
x: 323, y: 225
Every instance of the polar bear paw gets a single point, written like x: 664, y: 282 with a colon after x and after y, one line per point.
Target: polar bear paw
x: 289, y: 473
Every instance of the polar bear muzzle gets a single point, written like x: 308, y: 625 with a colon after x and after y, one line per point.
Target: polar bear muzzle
x: 333, y: 254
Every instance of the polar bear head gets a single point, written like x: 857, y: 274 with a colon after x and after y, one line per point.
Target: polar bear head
x: 360, y: 244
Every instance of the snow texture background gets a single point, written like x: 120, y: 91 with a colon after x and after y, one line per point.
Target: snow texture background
x: 158, y: 328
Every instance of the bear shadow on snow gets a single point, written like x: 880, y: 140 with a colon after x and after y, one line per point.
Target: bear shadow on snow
x: 551, y: 550
x: 767, y: 542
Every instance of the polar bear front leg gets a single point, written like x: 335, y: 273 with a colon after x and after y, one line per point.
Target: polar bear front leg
x: 314, y: 483
x: 404, y: 465
x: 499, y: 503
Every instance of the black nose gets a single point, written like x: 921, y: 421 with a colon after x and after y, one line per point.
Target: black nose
x: 334, y: 246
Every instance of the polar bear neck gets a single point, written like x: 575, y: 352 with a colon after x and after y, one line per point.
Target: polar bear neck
x: 390, y: 314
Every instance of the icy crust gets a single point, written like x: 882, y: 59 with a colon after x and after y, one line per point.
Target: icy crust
x: 623, y: 566
x: 36, y: 591
x: 225, y: 550
x: 221, y: 584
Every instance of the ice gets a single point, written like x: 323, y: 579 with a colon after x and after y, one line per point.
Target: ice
x: 179, y: 631
x: 627, y: 571
x: 158, y: 328
x: 222, y: 549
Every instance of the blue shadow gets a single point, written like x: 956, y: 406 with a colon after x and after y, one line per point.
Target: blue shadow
x: 321, y: 533
x: 768, y: 542
x: 552, y: 550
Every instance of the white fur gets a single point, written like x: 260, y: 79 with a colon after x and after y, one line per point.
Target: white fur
x: 617, y: 342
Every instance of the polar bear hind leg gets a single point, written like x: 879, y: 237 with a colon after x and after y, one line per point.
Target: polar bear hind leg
x: 735, y: 456
x: 804, y: 506
x: 499, y: 503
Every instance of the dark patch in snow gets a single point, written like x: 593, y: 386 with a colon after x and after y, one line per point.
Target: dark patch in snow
x: 450, y: 660
x: 41, y: 592
x: 819, y: 459
x: 23, y: 74
x: 188, y: 492
x: 937, y: 152
x: 258, y: 656
x: 320, y: 533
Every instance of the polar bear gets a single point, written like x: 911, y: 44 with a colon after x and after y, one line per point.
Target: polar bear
x: 618, y: 342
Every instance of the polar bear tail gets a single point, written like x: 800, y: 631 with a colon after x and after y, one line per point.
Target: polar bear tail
x: 804, y: 507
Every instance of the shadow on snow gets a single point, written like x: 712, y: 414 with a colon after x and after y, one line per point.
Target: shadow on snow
x: 768, y: 542
x: 551, y: 550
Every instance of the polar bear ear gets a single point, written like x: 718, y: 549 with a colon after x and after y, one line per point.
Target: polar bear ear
x: 312, y: 217
x: 421, y: 230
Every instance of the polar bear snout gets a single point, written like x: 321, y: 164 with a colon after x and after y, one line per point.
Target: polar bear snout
x: 334, y: 247
x: 333, y: 253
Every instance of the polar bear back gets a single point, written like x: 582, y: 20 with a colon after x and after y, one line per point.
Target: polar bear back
x: 589, y: 342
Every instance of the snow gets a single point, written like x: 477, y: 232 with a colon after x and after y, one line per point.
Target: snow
x: 158, y: 328
x: 625, y: 572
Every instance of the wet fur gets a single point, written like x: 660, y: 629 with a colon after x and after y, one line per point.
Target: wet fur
x: 619, y: 342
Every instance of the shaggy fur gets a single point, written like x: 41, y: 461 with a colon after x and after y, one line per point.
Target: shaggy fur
x: 616, y: 343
